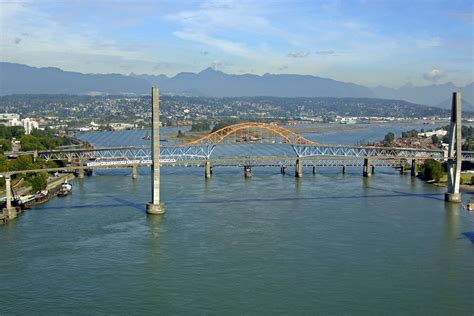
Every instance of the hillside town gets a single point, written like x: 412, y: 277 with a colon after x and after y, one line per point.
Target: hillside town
x: 123, y: 112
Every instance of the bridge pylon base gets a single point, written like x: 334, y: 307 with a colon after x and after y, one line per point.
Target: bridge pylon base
x: 247, y: 172
x: 155, y: 209
x: 299, y: 169
x: 10, y: 213
x: 452, y: 197
x: 367, y: 172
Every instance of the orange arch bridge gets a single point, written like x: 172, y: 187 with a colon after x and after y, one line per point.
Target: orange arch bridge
x: 252, y: 132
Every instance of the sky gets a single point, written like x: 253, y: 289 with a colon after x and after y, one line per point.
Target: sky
x: 389, y: 43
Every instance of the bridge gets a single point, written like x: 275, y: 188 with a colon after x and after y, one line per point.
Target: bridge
x: 276, y: 146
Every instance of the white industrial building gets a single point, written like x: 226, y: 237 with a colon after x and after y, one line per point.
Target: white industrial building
x: 29, y: 125
x: 439, y: 133
x: 12, y: 119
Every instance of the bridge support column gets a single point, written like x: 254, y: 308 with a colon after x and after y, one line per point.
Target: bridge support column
x: 343, y: 169
x: 81, y: 169
x: 247, y: 171
x: 299, y: 168
x: 9, y: 212
x: 208, y: 170
x: 314, y: 170
x: 367, y: 169
x: 454, y: 152
x: 402, y: 168
x: 155, y: 207
x: 134, y: 172
x: 282, y: 169
x: 373, y: 169
x: 414, y: 168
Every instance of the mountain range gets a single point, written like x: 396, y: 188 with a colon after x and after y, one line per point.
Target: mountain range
x: 23, y: 79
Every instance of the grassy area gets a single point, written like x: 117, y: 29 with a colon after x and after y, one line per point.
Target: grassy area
x: 189, y: 136
x: 466, y: 178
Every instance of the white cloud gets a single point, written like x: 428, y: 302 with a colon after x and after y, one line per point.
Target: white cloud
x: 434, y: 74
x: 238, y: 20
x: 299, y: 54
x: 216, y: 64
x: 230, y: 47
x: 429, y: 42
x: 324, y: 52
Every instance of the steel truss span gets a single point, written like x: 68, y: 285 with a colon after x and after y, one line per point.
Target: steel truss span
x: 366, y: 151
x: 189, y: 153
x: 249, y: 133
x: 259, y: 162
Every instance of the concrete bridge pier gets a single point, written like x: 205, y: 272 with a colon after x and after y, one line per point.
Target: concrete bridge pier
x: 314, y: 170
x: 367, y: 169
x: 80, y: 171
x: 402, y: 168
x: 208, y: 170
x: 343, y: 169
x: 373, y: 169
x: 298, y: 168
x: 9, y: 212
x: 155, y: 207
x: 454, y: 152
x: 414, y: 168
x: 134, y: 172
x: 282, y: 169
x: 248, y: 171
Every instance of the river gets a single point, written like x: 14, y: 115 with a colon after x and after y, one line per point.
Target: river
x: 272, y: 244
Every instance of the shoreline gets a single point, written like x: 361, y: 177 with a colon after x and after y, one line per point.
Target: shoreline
x: 52, y: 187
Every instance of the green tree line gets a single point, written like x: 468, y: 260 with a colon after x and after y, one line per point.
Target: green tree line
x: 37, y: 140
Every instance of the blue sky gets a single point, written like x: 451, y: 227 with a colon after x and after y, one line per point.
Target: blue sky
x: 367, y: 42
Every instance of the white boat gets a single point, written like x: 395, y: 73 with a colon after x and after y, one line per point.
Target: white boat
x: 26, y: 198
x: 65, y: 189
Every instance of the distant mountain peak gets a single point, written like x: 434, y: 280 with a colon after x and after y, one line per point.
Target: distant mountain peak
x: 23, y: 79
x: 210, y: 70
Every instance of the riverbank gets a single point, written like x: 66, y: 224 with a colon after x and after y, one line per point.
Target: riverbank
x: 52, y: 188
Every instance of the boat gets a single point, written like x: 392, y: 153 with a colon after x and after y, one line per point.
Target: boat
x: 147, y: 137
x: 470, y: 206
x: 42, y: 197
x: 26, y: 201
x: 66, y: 188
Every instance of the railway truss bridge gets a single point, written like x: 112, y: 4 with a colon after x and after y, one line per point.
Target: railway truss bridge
x: 247, y: 145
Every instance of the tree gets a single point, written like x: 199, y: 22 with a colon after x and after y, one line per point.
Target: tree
x: 5, y: 145
x: 388, y: 140
x: 410, y: 133
x: 3, y: 163
x: 435, y: 139
x: 51, y: 164
x: 468, y: 145
x: 200, y: 127
x: 224, y: 123
x: 446, y: 138
x: 38, y: 182
x: 432, y: 170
